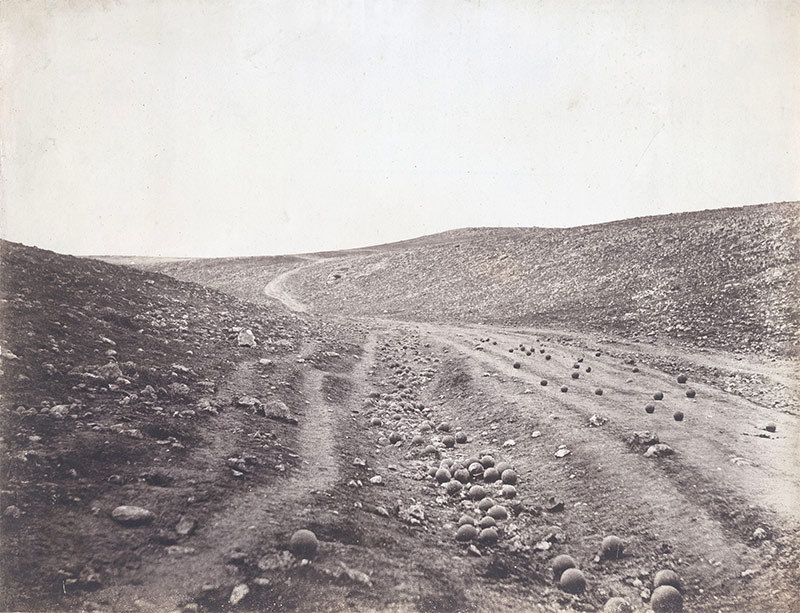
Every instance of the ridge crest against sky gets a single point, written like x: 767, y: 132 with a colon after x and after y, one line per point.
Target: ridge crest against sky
x: 217, y: 128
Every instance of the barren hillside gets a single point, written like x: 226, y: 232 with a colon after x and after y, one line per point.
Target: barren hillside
x: 165, y: 442
x: 725, y: 278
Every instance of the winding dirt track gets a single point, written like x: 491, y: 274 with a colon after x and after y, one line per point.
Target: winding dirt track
x: 252, y: 519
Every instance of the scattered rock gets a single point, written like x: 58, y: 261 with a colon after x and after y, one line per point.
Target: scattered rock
x: 129, y: 515
x: 643, y: 438
x: 658, y: 451
x: 617, y: 605
x: 246, y: 338
x: 277, y: 410
x: 185, y: 526
x: 595, y: 421
x: 239, y: 592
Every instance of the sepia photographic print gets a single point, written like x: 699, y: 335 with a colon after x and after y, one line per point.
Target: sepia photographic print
x: 400, y: 306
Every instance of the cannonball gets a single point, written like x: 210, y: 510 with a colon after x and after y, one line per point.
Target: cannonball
x: 470, y: 460
x: 509, y: 476
x: 487, y: 522
x: 635, y: 369
x: 432, y: 471
x: 476, y: 469
x: 612, y: 547
x: 446, y: 463
x: 488, y: 536
x: 666, y: 599
x: 430, y: 450
x: 543, y: 382
x: 466, y: 519
x: 508, y: 491
x: 453, y: 488
x: 658, y: 396
x: 375, y: 421
x: 682, y: 378
x: 598, y: 391
x: 443, y: 475
x: 572, y: 581
x: 395, y: 437
x: 617, y: 605
x: 490, y: 475
x: 487, y: 461
x: 303, y: 544
x: 650, y: 408
x: 576, y: 365
x: 425, y: 427
x: 678, y: 416
x: 564, y: 388
x: 443, y: 427
x: 597, y: 354
x: 477, y: 492
x: 498, y: 512
x: 588, y: 369
x: 667, y: 577
x: 547, y: 357
x: 485, y: 504
x: 462, y: 475
x: 466, y: 533
x: 501, y: 466
x: 541, y: 350
x: 691, y: 393
x: 576, y: 374
x: 770, y: 427
x: 461, y: 438
x: 517, y: 365
x: 561, y: 563
x: 449, y: 441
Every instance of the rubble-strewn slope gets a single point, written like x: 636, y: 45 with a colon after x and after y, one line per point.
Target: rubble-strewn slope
x: 116, y: 387
x: 722, y: 278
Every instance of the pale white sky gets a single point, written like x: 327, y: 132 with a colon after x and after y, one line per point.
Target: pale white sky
x: 232, y: 127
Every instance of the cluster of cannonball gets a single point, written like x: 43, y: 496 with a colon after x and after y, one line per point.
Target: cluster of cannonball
x: 678, y: 415
x: 448, y: 440
x: 570, y: 578
x: 455, y: 475
x: 666, y: 596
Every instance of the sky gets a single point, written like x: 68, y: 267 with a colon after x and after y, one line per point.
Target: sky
x: 233, y: 127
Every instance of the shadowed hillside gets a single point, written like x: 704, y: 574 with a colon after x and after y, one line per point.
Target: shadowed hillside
x: 120, y: 387
x: 725, y: 278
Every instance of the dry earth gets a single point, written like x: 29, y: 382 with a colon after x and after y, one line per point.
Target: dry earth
x: 229, y: 473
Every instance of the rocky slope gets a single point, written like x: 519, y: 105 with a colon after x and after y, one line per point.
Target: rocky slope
x: 724, y: 278
x: 124, y: 388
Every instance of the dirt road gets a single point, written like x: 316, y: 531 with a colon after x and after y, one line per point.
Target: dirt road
x: 721, y: 510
